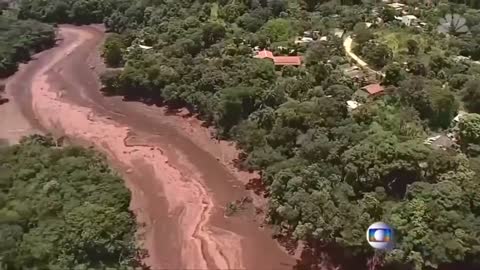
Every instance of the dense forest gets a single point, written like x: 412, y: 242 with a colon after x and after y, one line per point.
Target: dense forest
x: 62, y: 208
x: 19, y: 39
x: 329, y: 171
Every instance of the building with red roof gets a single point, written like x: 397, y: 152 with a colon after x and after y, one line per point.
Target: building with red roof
x: 373, y: 89
x: 264, y: 54
x: 280, y: 60
x: 287, y: 60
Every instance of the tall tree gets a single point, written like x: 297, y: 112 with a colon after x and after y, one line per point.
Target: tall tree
x: 471, y: 95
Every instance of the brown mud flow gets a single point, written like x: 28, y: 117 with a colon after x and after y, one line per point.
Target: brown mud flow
x: 178, y: 182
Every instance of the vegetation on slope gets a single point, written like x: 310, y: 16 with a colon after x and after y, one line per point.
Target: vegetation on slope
x: 62, y: 208
x: 19, y: 40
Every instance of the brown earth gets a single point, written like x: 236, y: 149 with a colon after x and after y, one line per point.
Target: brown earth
x: 180, y: 179
x: 13, y: 124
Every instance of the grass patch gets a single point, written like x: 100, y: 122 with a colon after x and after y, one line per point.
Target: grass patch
x: 214, y: 12
x: 396, y: 39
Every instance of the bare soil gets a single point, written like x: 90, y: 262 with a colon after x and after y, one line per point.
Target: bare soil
x: 180, y: 178
x: 13, y: 124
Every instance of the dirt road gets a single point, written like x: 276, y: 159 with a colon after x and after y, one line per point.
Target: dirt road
x: 347, y: 45
x: 179, y: 178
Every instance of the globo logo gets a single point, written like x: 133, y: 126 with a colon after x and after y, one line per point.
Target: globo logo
x: 380, y: 236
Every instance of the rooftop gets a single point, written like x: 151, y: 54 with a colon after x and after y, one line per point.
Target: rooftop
x: 373, y: 89
x: 287, y: 60
x: 410, y: 16
x: 396, y: 5
x: 264, y: 54
x: 352, y: 104
x: 280, y: 60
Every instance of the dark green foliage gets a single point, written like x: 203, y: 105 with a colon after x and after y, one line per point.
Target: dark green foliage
x: 362, y: 34
x: 433, y: 101
x: 280, y: 29
x: 394, y: 74
x: 113, y: 50
x: 254, y: 20
x: 444, y: 106
x: 69, y: 11
x: 62, y: 208
x: 439, y: 220
x: 111, y: 82
x: 469, y: 134
x: 377, y: 54
x: 236, y: 103
x: 212, y: 32
x: 471, y: 95
x: 19, y: 40
x: 388, y: 14
x: 412, y: 47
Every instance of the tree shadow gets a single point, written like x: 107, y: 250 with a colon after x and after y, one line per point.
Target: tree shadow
x: 257, y: 186
x: 317, y: 256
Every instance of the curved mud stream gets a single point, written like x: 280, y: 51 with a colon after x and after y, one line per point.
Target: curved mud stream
x: 178, y: 183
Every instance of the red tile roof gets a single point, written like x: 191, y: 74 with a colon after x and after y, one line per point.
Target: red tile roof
x: 287, y: 60
x: 264, y: 54
x: 373, y: 89
x: 280, y: 60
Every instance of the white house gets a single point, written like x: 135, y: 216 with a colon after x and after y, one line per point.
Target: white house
x: 352, y: 105
x: 459, y: 116
x: 301, y: 40
x: 397, y: 6
x: 408, y: 20
x: 144, y: 47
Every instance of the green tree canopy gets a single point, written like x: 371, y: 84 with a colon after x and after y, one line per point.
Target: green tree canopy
x: 113, y: 50
x: 62, y: 208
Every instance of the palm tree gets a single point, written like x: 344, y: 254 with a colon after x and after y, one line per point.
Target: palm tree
x: 453, y: 24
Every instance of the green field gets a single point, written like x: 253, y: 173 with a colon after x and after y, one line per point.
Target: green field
x: 214, y: 12
x: 396, y: 39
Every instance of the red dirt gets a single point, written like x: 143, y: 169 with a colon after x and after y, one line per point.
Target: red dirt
x: 179, y: 177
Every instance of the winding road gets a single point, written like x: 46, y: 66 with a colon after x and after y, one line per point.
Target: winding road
x: 347, y: 45
x: 180, y: 179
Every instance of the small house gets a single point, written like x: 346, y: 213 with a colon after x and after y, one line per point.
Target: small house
x: 264, y: 54
x: 354, y: 72
x: 302, y: 40
x: 287, y: 61
x: 145, y: 47
x: 459, y: 116
x: 338, y: 32
x: 352, y: 105
x: 396, y: 6
x: 374, y: 89
x: 408, y: 20
x: 440, y: 142
x: 280, y: 60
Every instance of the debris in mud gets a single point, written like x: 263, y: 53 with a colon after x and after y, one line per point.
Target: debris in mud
x: 60, y: 141
x: 3, y: 100
x: 129, y: 171
x: 237, y: 205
